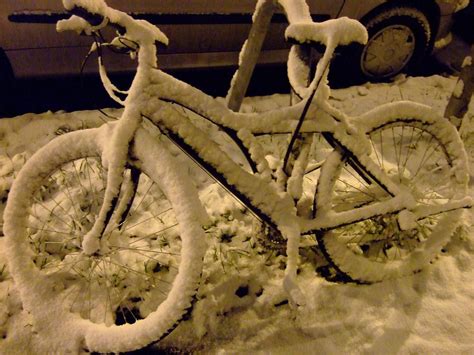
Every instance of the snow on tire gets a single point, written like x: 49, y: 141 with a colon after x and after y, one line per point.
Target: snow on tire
x: 422, y: 152
x: 143, y: 279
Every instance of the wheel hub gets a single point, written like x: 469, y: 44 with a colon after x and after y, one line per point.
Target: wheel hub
x: 388, y: 51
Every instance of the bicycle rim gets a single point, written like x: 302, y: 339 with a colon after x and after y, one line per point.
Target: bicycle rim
x: 415, y: 155
x: 135, y: 285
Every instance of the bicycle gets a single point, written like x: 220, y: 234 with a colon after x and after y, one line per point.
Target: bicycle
x: 108, y: 235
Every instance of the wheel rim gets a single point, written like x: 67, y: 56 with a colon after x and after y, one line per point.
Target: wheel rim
x: 135, y: 268
x: 388, y: 51
x: 413, y: 157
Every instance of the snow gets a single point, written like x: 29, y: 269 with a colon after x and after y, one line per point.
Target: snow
x: 340, y: 31
x: 443, y: 42
x: 331, y: 33
x: 458, y: 89
x: 467, y: 61
x: 94, y: 6
x: 461, y: 4
x: 296, y: 10
x: 139, y: 31
x: 241, y: 306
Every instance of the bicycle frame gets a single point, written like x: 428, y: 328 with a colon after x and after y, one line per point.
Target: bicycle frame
x: 158, y: 96
x: 163, y: 112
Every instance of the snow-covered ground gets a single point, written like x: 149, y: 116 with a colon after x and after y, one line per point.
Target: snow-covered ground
x: 241, y: 306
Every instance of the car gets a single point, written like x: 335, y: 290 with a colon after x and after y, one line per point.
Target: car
x: 210, y: 34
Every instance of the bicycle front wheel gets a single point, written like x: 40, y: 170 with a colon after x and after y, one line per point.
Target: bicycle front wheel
x: 424, y: 155
x: 145, y: 275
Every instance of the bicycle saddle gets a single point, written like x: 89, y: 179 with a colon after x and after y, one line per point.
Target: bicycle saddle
x: 341, y: 31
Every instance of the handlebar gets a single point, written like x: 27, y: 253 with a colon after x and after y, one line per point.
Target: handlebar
x: 91, y: 15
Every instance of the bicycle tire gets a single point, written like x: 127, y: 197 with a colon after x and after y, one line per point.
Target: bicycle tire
x: 134, y: 292
x: 376, y: 249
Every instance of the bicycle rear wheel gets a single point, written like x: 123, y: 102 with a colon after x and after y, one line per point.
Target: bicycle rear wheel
x: 143, y: 279
x: 425, y: 156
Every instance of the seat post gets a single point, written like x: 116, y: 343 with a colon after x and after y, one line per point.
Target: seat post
x: 249, y: 55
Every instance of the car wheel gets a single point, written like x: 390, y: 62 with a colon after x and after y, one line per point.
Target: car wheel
x: 398, y: 39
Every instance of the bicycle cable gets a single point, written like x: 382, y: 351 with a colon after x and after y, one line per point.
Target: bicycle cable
x: 294, y: 136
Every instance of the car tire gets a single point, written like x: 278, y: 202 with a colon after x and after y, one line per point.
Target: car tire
x: 399, y: 38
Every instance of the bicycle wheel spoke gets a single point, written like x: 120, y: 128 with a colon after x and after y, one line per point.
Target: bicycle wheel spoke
x: 366, y: 193
x: 108, y: 303
x: 56, y: 203
x: 133, y: 272
x: 409, y: 149
x: 156, y: 216
x: 78, y: 178
x: 424, y: 158
x: 54, y: 231
x: 109, y: 285
x: 417, y: 157
x: 89, y: 288
x: 395, y: 150
x: 76, y: 297
x: 143, y: 197
x: 154, y: 234
x: 151, y: 258
x: 135, y: 209
x: 119, y: 247
x: 68, y: 192
x: 146, y: 220
x: 53, y: 214
x: 144, y: 274
x: 375, y: 150
x: 62, y: 267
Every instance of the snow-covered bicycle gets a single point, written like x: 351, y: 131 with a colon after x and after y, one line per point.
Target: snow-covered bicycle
x: 104, y: 228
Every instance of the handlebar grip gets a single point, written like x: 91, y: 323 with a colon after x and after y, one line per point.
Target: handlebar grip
x: 94, y: 19
x: 93, y: 11
x: 96, y: 13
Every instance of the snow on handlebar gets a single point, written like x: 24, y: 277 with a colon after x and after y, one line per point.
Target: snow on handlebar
x: 90, y: 15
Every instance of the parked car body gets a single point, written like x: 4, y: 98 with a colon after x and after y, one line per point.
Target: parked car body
x: 210, y: 33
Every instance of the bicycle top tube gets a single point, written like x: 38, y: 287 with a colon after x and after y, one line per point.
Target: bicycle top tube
x: 95, y: 14
x: 281, y: 120
x: 92, y: 15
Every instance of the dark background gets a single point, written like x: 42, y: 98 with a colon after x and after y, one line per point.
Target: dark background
x: 86, y: 92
